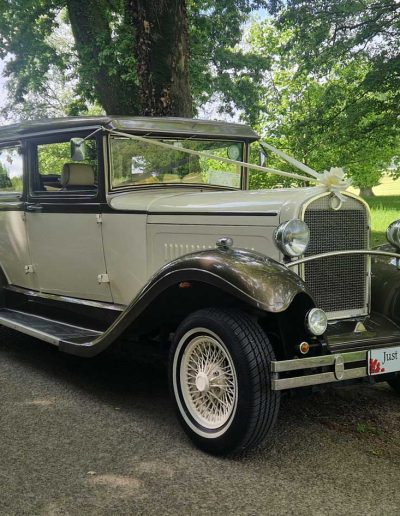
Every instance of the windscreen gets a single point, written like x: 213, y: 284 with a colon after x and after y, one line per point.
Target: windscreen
x: 135, y: 163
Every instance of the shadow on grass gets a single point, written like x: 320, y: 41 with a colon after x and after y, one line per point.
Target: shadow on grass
x: 378, y: 238
x: 384, y: 202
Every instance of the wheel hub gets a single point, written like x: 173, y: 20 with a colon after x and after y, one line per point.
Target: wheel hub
x: 209, y: 382
x: 202, y: 382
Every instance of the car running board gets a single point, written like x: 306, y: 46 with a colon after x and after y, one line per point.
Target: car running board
x: 45, y: 329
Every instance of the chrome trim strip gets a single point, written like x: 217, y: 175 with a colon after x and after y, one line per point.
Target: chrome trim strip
x: 336, y: 362
x: 316, y: 379
x: 325, y: 360
x: 336, y: 253
x: 66, y: 299
x: 345, y: 314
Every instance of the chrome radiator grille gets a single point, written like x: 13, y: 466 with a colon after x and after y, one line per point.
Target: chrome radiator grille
x: 338, y: 283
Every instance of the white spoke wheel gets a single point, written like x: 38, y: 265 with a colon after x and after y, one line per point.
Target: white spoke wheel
x: 208, y: 380
x: 220, y: 380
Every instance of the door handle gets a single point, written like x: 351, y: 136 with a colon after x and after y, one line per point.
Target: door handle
x: 34, y: 207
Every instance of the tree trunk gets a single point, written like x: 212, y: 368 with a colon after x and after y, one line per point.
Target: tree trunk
x: 162, y: 55
x: 92, y: 33
x: 366, y: 191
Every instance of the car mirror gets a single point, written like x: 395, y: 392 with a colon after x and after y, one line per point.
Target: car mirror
x: 78, y: 149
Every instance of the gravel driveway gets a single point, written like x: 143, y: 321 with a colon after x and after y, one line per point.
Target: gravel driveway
x: 99, y: 437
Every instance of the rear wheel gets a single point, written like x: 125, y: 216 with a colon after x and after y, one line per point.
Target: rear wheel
x: 220, y: 379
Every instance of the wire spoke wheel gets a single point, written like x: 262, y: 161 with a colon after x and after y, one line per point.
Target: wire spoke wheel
x: 220, y: 380
x: 208, y: 380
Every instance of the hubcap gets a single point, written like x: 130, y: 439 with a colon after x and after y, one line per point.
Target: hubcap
x: 202, y: 382
x: 208, y: 381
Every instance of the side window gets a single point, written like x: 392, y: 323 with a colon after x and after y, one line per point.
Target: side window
x: 11, y: 170
x: 56, y: 172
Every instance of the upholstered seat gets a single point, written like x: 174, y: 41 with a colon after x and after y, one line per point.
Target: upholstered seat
x: 78, y: 176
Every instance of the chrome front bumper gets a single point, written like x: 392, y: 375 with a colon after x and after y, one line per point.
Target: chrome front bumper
x: 335, y: 368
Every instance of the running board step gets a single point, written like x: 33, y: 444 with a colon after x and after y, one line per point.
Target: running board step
x: 45, y: 329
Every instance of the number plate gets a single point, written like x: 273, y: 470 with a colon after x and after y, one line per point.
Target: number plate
x: 385, y: 360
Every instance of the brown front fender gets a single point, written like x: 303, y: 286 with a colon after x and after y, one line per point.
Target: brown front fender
x: 260, y: 281
x: 249, y: 276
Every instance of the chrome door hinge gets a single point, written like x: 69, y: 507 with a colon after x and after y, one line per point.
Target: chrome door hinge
x: 29, y: 269
x: 99, y: 218
x: 103, y: 278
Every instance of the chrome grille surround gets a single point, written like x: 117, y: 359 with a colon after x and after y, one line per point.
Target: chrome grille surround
x: 340, y: 285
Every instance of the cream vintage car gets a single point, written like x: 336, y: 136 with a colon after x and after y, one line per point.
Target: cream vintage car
x: 108, y: 237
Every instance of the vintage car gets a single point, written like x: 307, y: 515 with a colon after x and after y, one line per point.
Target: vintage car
x: 142, y: 232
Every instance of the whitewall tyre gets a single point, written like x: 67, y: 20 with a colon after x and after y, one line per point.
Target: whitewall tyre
x: 221, y: 382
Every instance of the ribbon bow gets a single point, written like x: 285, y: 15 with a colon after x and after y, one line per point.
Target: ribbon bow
x: 334, y: 181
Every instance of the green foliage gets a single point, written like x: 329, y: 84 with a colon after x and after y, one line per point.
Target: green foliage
x: 53, y: 156
x: 105, y: 54
x: 385, y: 209
x: 326, y: 32
x: 16, y: 184
x: 324, y: 121
x: 358, y: 42
x: 220, y: 65
x: 10, y: 170
x: 25, y: 27
x: 318, y: 79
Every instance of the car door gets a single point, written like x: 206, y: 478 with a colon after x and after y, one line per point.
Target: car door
x: 14, y: 250
x: 63, y: 219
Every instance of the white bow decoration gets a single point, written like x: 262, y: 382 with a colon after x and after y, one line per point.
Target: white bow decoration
x: 335, y: 181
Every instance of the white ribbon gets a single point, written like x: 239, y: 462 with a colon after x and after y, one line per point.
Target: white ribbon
x: 157, y: 143
x: 332, y: 181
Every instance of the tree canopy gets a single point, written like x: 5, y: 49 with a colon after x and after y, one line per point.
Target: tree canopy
x: 130, y: 56
x: 325, y: 119
x: 319, y: 79
x: 326, y: 33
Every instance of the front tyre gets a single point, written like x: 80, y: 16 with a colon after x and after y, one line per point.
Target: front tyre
x: 221, y: 381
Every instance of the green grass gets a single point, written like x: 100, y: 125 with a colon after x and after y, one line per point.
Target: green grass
x: 384, y: 210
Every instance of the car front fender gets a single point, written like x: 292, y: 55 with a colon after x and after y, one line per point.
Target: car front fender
x: 251, y: 277
x: 260, y: 281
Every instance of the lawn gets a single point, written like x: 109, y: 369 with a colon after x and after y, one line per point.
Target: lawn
x: 384, y: 210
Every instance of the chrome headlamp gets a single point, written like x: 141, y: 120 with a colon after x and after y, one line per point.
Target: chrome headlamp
x: 393, y: 233
x: 292, y: 237
x: 316, y: 321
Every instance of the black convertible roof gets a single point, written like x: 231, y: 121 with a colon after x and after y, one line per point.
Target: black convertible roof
x: 138, y: 125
